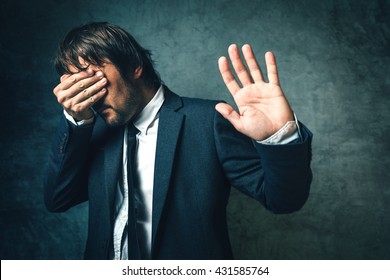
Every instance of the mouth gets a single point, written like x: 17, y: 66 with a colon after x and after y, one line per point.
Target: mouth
x: 101, y: 109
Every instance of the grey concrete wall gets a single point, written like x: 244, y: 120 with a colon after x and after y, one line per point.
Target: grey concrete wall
x: 333, y: 57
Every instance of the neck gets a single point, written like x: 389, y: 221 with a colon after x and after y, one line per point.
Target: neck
x: 147, y: 94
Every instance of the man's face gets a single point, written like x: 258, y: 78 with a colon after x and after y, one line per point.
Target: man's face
x: 123, y: 101
x: 124, y: 98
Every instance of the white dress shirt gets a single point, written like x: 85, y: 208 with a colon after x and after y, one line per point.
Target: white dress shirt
x: 147, y: 123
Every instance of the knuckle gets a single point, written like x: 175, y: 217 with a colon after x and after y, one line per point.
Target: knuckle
x: 80, y: 84
x: 67, y: 105
x: 61, y: 99
x: 58, y: 89
x: 69, y: 82
x: 77, y: 108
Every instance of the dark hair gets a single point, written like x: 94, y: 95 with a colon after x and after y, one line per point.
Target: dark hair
x: 95, y: 42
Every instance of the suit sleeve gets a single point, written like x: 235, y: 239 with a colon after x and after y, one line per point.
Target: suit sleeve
x: 278, y: 176
x: 65, y: 184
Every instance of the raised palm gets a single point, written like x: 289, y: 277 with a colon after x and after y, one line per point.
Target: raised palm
x: 263, y: 108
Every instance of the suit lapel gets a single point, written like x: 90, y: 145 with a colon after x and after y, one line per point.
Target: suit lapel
x: 170, y: 123
x: 112, y: 164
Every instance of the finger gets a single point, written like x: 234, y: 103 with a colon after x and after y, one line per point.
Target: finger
x: 87, y: 82
x: 90, y: 91
x: 68, y: 80
x: 239, y: 66
x: 82, y: 105
x: 227, y: 75
x: 75, y: 78
x: 272, y: 70
x: 251, y: 61
x: 94, y: 98
x: 64, y: 77
x: 78, y: 88
x: 230, y: 114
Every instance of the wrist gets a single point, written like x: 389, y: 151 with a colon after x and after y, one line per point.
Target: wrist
x: 79, y: 122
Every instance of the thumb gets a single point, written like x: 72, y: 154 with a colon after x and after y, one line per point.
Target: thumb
x: 229, y: 113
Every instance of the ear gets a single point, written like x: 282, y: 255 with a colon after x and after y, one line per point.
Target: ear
x: 137, y: 73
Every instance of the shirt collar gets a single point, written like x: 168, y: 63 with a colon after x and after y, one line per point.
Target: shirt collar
x: 150, y: 113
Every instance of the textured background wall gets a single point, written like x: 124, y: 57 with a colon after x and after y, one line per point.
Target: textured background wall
x: 333, y: 57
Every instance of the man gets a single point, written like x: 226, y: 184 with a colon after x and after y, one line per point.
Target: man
x: 165, y: 196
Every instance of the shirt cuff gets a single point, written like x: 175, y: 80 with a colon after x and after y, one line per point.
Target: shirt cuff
x: 287, y: 134
x: 78, y: 123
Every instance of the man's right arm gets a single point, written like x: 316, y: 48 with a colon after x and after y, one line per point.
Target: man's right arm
x: 67, y: 171
x: 66, y: 179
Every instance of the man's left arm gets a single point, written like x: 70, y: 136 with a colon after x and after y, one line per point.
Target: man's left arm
x: 265, y: 116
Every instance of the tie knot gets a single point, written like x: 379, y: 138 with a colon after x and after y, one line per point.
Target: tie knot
x: 132, y: 130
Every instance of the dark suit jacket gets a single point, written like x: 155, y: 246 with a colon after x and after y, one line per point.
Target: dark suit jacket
x: 199, y: 155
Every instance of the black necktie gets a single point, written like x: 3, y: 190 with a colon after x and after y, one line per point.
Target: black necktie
x: 133, y: 246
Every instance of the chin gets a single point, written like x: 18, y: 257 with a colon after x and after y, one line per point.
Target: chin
x: 112, y: 119
x: 113, y: 122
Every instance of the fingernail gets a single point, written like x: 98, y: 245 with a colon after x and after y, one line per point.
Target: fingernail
x: 89, y: 72
x: 99, y: 74
x: 103, y: 81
